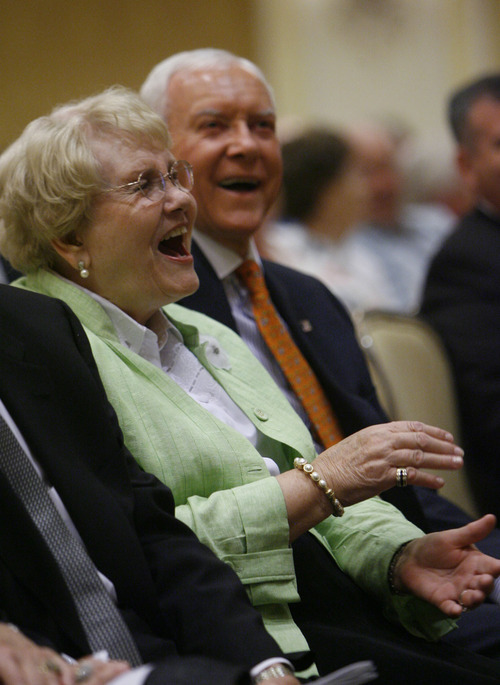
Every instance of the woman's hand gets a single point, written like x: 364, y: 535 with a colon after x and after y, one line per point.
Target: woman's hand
x: 447, y: 570
x: 365, y: 463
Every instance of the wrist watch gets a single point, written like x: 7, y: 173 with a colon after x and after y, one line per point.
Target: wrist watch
x: 275, y: 671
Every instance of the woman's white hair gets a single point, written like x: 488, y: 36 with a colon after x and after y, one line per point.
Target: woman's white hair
x: 154, y: 90
x: 50, y: 175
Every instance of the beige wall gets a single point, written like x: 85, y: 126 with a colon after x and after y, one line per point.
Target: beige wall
x: 335, y: 60
x: 344, y: 60
x: 55, y: 50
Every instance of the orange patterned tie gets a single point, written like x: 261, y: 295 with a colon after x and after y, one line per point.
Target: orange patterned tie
x: 296, y: 369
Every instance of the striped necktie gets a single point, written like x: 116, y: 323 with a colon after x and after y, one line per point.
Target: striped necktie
x: 102, y: 622
x: 297, y: 371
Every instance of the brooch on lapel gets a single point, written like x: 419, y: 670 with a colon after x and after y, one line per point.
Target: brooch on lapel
x: 214, y: 353
x: 306, y: 325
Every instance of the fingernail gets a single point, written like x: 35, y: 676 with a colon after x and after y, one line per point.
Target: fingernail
x: 458, y: 460
x: 459, y: 451
x: 440, y: 482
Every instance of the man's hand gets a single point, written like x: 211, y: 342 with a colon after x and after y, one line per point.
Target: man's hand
x: 447, y: 570
x: 22, y: 662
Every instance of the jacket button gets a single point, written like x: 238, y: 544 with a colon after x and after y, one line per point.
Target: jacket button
x: 260, y: 414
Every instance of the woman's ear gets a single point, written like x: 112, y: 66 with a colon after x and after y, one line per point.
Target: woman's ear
x: 73, y: 260
x: 72, y: 251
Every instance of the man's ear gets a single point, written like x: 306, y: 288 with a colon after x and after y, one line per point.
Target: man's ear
x: 465, y: 164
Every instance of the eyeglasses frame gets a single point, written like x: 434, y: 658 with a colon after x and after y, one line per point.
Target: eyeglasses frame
x: 178, y: 162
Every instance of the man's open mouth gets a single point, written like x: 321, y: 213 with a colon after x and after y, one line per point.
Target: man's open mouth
x: 239, y: 184
x: 172, y: 244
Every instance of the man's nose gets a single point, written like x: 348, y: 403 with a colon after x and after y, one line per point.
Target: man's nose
x: 243, y: 140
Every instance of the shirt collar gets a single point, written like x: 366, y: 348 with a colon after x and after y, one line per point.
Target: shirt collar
x: 130, y: 332
x: 223, y: 260
x: 146, y: 341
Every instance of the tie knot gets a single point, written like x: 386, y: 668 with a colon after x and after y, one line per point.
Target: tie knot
x: 252, y: 277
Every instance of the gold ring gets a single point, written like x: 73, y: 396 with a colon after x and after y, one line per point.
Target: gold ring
x: 50, y: 666
x: 401, y: 477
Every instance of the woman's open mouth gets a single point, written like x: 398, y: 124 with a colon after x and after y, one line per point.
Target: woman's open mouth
x: 172, y: 245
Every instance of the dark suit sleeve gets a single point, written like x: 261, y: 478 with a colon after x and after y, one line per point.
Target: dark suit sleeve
x: 190, y: 670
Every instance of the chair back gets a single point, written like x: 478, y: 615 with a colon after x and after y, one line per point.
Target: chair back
x: 412, y: 374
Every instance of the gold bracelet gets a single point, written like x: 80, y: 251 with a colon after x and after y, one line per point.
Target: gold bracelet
x: 303, y: 465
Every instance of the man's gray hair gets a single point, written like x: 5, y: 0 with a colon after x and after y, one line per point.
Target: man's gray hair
x: 155, y: 88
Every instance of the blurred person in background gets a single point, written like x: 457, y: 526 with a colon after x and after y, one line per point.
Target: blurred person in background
x: 432, y: 179
x: 388, y: 252
x: 322, y: 198
x: 461, y: 298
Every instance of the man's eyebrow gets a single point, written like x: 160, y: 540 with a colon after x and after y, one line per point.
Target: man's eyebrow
x: 208, y: 112
x: 211, y: 112
x: 266, y: 113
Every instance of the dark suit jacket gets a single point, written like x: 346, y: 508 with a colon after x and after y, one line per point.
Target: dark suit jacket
x: 177, y: 598
x: 321, y: 328
x: 462, y: 302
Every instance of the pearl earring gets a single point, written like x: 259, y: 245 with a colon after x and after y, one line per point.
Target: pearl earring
x: 84, y: 273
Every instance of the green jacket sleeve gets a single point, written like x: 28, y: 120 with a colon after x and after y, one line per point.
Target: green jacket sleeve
x: 363, y: 543
x: 247, y: 527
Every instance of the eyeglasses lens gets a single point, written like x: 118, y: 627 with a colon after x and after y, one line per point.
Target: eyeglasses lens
x: 181, y: 175
x: 153, y: 184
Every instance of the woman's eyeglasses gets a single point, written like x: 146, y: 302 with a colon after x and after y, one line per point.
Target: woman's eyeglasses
x: 152, y: 184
